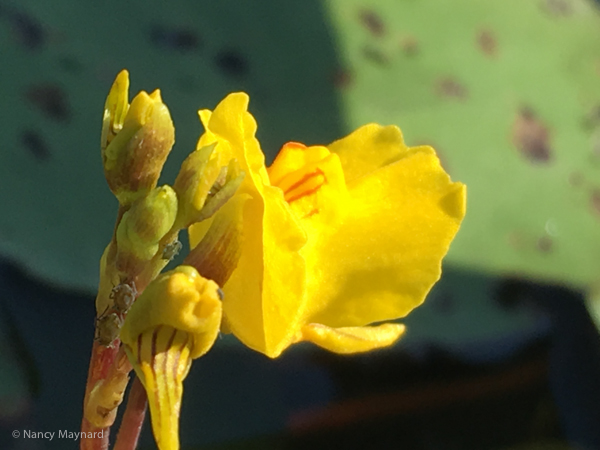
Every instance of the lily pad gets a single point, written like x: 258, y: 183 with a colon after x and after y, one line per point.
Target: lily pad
x: 508, y: 92
x: 58, y: 214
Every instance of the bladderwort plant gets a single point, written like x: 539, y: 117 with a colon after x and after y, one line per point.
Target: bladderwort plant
x: 317, y: 247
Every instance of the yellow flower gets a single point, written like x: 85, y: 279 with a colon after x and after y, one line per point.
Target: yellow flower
x: 333, y: 238
x: 176, y: 319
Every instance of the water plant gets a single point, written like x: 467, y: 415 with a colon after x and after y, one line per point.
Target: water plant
x: 329, y: 245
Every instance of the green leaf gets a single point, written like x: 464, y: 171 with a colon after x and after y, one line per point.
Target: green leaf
x: 505, y: 91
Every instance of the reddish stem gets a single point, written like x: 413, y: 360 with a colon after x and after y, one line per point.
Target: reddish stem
x: 133, y: 418
x: 105, y: 362
x: 98, y: 439
x: 100, y: 363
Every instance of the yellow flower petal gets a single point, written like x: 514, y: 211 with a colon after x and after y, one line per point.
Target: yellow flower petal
x: 115, y: 109
x: 294, y: 157
x: 270, y: 231
x: 381, y: 262
x: 233, y: 127
x: 162, y: 360
x: 352, y: 339
x: 368, y: 148
x: 338, y: 239
x: 312, y: 181
x: 253, y: 308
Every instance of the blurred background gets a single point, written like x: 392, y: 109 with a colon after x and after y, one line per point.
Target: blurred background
x: 504, y: 354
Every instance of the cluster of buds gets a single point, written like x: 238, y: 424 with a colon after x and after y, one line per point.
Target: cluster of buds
x: 136, y: 140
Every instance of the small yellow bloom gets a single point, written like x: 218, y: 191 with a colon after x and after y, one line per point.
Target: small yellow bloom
x: 176, y: 319
x: 333, y: 238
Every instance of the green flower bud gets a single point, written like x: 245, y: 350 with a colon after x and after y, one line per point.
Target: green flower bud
x: 148, y: 220
x: 136, y: 140
x: 205, y: 182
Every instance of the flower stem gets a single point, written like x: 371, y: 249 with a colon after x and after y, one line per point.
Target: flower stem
x: 101, y: 361
x: 133, y: 418
x: 107, y: 380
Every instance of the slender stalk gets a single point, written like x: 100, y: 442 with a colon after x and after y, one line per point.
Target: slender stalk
x: 109, y: 367
x: 133, y: 418
x: 101, y: 361
x: 94, y: 443
x: 108, y: 378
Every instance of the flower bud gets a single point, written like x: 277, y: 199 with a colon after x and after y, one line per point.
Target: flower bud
x: 224, y: 187
x: 115, y: 109
x: 207, y: 179
x: 175, y: 320
x: 136, y: 140
x: 147, y: 221
x: 217, y: 244
x: 181, y: 299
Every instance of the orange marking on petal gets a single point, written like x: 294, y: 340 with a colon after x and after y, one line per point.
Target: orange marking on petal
x: 304, y: 193
x: 305, y: 180
x: 293, y: 144
x: 154, y: 374
x: 309, y: 184
x: 312, y: 213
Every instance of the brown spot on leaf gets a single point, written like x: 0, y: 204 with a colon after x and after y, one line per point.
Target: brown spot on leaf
x: 173, y: 38
x: 450, y: 87
x: 372, y: 22
x: 50, y: 99
x: 595, y: 148
x: 592, y: 119
x: 487, y: 42
x: 595, y: 200
x: 375, y: 55
x: 575, y: 179
x: 531, y: 136
x: 34, y: 142
x: 544, y: 244
x: 557, y: 8
x: 409, y: 45
x: 341, y: 78
x: 232, y: 62
x: 27, y: 30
